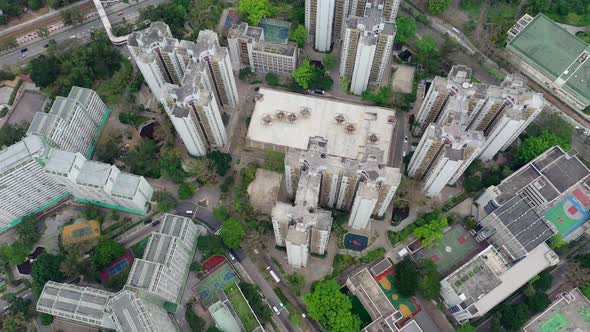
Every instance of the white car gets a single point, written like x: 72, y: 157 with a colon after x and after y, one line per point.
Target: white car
x: 274, y: 308
x: 231, y: 256
x: 303, y: 315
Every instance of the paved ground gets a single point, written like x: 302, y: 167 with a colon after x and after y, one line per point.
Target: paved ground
x: 29, y: 103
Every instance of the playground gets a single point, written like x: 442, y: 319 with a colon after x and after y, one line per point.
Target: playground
x: 570, y: 213
x: 355, y: 242
x: 405, y: 305
x: 455, y: 246
x: 218, y: 279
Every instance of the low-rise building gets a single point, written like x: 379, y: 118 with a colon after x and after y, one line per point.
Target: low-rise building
x: 249, y: 48
x: 157, y: 279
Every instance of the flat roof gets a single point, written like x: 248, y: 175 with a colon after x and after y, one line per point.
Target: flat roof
x: 548, y: 45
x: 290, y: 120
x: 130, y: 315
x: 566, y: 312
x: 223, y: 317
x: 126, y: 184
x: 25, y: 149
x: 60, y: 161
x: 94, y: 172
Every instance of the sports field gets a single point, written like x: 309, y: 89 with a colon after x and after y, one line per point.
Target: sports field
x: 570, y: 213
x: 207, y: 290
x: 116, y: 267
x: 275, y: 31
x: 555, y: 323
x: 405, y: 305
x: 80, y: 232
x: 241, y: 307
x: 454, y: 247
x: 355, y: 241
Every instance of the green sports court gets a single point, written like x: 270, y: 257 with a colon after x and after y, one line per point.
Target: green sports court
x: 455, y: 246
x: 570, y: 213
x: 208, y: 288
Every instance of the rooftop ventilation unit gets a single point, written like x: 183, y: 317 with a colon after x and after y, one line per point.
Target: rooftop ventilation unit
x: 280, y: 115
x: 349, y: 128
x: 305, y: 112
x: 267, y: 120
x: 292, y: 117
x: 373, y: 138
x: 340, y: 119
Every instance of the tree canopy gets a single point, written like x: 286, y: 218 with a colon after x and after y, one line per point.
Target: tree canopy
x: 232, y: 233
x: 140, y: 159
x: 221, y: 161
x: 437, y: 7
x: 534, y: 146
x: 165, y: 200
x: 429, y: 280
x: 299, y: 35
x: 46, y: 268
x: 186, y: 191
x: 382, y: 97
x: 106, y: 251
x: 330, y: 61
x: 332, y: 308
x: 432, y: 233
x: 406, y: 29
x: 538, y: 302
x: 406, y: 280
x: 10, y: 134
x: 171, y: 167
x: 255, y: 10
x: 513, y: 316
x: 543, y: 282
x: 303, y: 74
x: 426, y: 46
x: 252, y: 294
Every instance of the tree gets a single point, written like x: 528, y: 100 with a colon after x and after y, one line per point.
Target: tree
x: 586, y: 110
x: 436, y: 7
x: 140, y: 159
x: 303, y: 74
x: 426, y: 46
x: 71, y: 16
x: 254, y: 10
x: 10, y: 134
x: 432, y: 233
x: 245, y: 73
x: 203, y: 170
x: 232, y: 233
x: 252, y: 294
x: 406, y: 29
x: 332, y: 308
x: 27, y: 231
x: 538, y: 302
x: 406, y: 280
x: 22, y: 306
x: 429, y: 280
x: 73, y: 265
x: 222, y: 161
x: 186, y: 190
x: 15, y: 253
x: 299, y: 35
x: 272, y: 79
x: 46, y: 268
x: 382, y: 97
x: 513, y: 316
x: 165, y: 201
x: 196, y: 323
x: 13, y: 322
x: 330, y: 61
x: 534, y: 146
x: 35, y: 4
x: 92, y: 212
x: 106, y: 251
x: 296, y: 282
x: 196, y: 267
x: 46, y: 319
x: 6, y: 75
x: 171, y: 167
x: 108, y: 152
x: 466, y: 328
x: 543, y: 282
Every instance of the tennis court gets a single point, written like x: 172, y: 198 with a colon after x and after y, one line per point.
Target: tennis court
x: 555, y: 323
x: 275, y: 31
x: 406, y: 306
x: 454, y: 247
x: 117, y: 266
x: 207, y: 290
x: 570, y: 213
x: 80, y: 232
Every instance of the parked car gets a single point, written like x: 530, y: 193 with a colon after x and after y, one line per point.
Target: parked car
x: 23, y: 50
x: 274, y: 308
x: 156, y: 223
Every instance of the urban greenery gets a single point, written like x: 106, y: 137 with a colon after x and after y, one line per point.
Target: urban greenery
x: 10, y: 134
x: 106, y: 251
x: 232, y: 233
x: 437, y: 7
x: 406, y: 278
x: 221, y: 161
x: 166, y: 201
x: 252, y: 294
x: 331, y: 308
x: 373, y: 255
x: 255, y: 10
x: 46, y: 268
x: 299, y: 35
x: 186, y: 190
x: 406, y: 29
x: 432, y: 233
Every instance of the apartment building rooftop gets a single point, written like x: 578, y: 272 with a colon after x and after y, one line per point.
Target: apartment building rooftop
x: 569, y: 311
x: 26, y: 148
x: 94, y: 173
x: 288, y: 120
x: 156, y: 32
x: 302, y: 215
x: 130, y: 314
x: 244, y: 30
x: 126, y: 184
x: 60, y: 161
x: 82, y: 95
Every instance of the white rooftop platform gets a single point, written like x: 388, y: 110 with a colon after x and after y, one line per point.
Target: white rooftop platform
x: 286, y: 119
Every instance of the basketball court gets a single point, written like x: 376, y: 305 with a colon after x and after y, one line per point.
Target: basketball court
x: 453, y: 248
x: 207, y: 289
x: 275, y: 31
x: 355, y: 242
x: 80, y: 232
x: 570, y: 213
x: 384, y: 275
x: 116, y: 267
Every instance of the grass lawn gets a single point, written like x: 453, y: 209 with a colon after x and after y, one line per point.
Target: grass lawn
x: 241, y: 307
x: 471, y: 7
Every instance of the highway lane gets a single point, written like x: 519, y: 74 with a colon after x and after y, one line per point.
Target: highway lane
x: 81, y: 32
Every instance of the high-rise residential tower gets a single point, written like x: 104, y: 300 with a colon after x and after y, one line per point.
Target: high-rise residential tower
x: 366, y: 49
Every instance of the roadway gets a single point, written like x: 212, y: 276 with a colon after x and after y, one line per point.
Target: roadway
x: 399, y: 145
x: 257, y: 278
x: 116, y: 13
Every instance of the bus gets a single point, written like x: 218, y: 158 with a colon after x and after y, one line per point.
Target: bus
x: 275, y: 276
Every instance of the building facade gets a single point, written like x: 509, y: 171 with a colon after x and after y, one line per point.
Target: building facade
x: 248, y: 48
x: 366, y: 49
x: 443, y: 154
x: 73, y: 123
x: 25, y: 187
x: 98, y: 183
